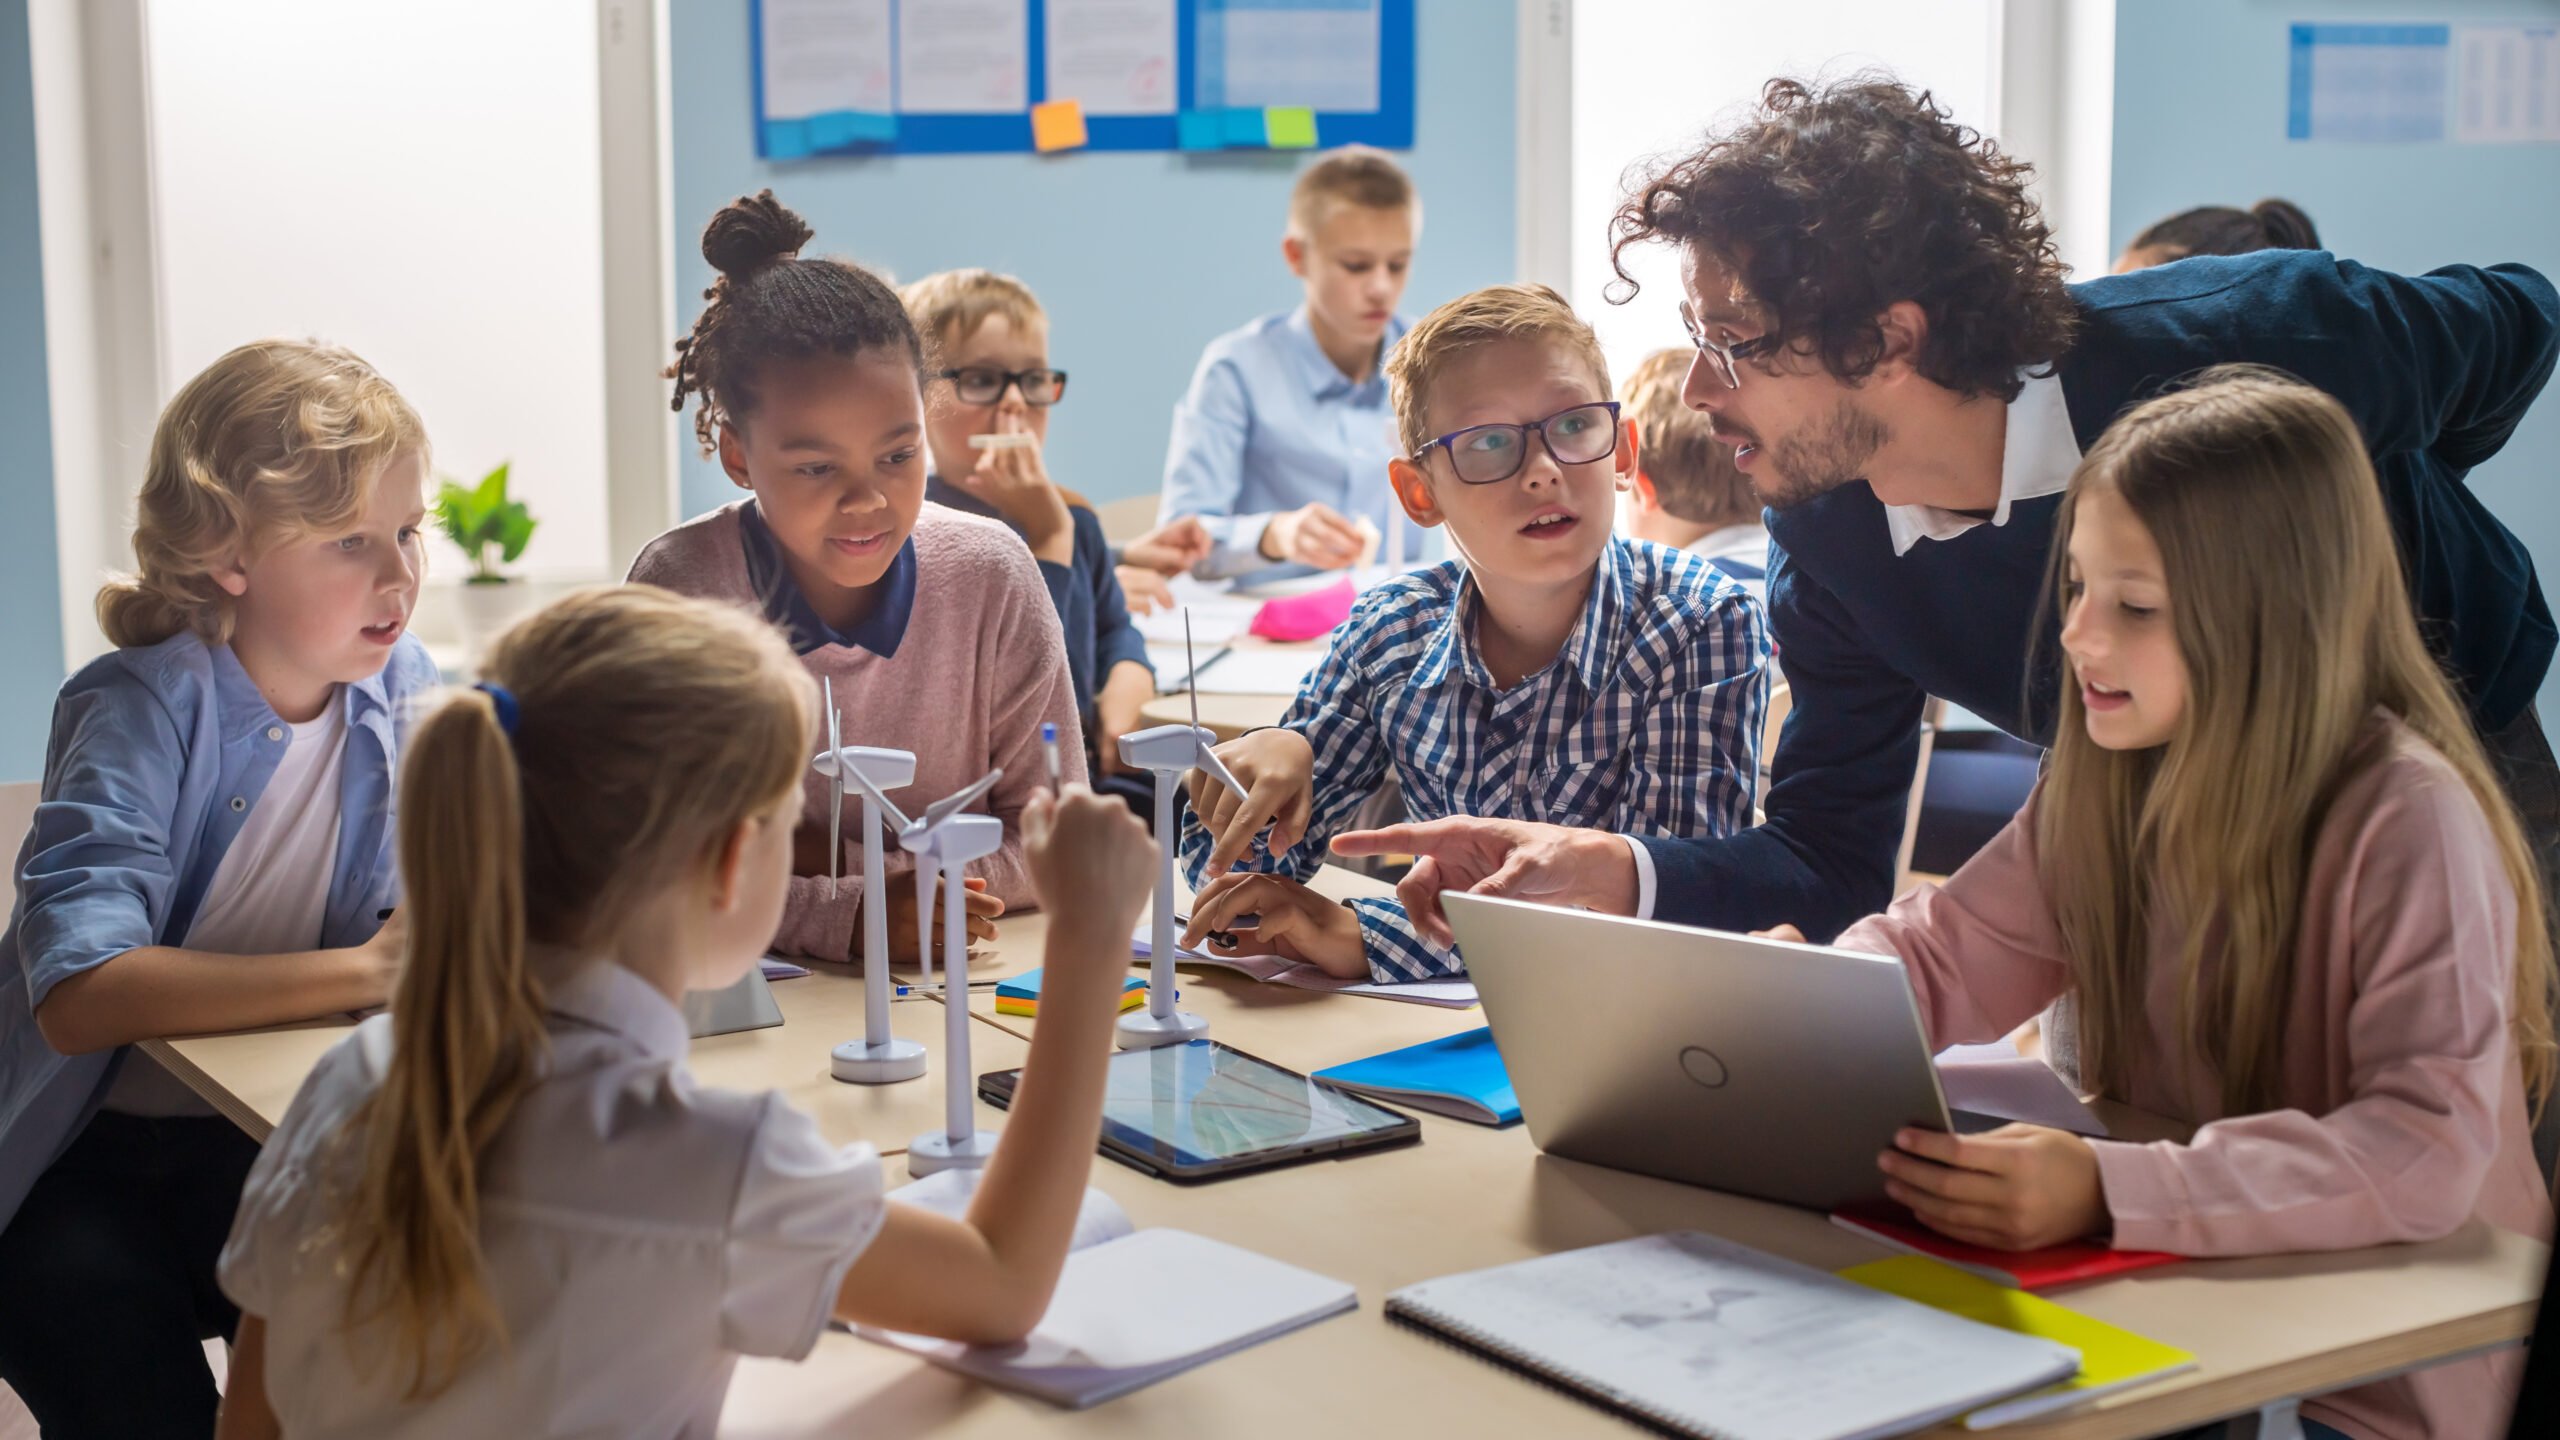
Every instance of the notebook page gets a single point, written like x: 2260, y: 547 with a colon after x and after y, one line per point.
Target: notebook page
x: 1722, y: 1339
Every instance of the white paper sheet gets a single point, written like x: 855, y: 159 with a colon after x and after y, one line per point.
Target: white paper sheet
x: 1143, y: 1307
x: 1114, y: 57
x: 1322, y: 54
x: 2507, y: 80
x: 1260, y: 670
x: 2016, y: 1089
x: 822, y: 56
x: 964, y: 57
x: 1217, y: 615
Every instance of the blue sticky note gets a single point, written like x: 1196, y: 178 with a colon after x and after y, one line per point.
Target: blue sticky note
x: 1241, y: 128
x: 841, y: 128
x: 1200, y: 129
x: 786, y: 139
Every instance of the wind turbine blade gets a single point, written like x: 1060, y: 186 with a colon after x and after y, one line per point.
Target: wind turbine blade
x: 897, y: 818
x: 1190, y: 668
x: 950, y: 805
x: 835, y: 791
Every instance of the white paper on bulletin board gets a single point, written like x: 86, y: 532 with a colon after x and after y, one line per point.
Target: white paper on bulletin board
x: 822, y: 56
x: 964, y: 57
x: 1322, y: 54
x: 2507, y: 83
x: 1113, y: 57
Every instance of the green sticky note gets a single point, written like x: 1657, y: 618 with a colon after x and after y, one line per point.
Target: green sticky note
x: 1290, y: 127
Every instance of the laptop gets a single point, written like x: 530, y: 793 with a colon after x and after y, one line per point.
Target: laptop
x: 1767, y: 1069
x: 746, y: 1005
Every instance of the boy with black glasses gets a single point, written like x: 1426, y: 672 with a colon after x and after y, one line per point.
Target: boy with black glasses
x: 1555, y: 671
x: 989, y: 387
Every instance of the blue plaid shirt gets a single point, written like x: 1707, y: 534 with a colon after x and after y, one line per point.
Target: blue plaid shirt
x: 1647, y: 723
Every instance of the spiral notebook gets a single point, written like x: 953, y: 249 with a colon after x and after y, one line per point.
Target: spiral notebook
x: 1707, y: 1338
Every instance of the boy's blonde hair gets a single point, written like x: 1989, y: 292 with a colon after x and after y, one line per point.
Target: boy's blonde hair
x: 278, y: 440
x: 1693, y: 477
x: 950, y: 306
x: 549, y: 826
x: 1352, y: 175
x: 2292, y: 620
x: 1497, y: 312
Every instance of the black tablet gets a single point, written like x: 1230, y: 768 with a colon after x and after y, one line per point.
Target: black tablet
x: 1200, y: 1110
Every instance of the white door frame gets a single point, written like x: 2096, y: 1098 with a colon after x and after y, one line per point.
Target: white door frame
x: 1542, y: 169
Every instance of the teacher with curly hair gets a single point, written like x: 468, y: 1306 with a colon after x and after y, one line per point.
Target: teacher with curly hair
x: 1884, y: 336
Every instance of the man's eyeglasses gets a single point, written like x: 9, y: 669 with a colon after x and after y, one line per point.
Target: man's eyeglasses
x: 1724, y: 355
x: 979, y: 385
x: 1490, y: 454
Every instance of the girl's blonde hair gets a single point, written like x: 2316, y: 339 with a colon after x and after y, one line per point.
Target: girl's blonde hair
x: 280, y: 439
x: 647, y: 727
x: 2293, y: 623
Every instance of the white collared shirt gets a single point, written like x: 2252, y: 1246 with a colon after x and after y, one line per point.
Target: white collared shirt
x: 2036, y: 459
x: 640, y: 1233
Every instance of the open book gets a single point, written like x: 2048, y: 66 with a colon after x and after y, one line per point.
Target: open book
x: 1132, y: 1306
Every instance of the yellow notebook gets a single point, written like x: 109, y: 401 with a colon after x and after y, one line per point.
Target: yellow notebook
x: 2110, y: 1359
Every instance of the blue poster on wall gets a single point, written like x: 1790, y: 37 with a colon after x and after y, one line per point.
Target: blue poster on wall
x: 956, y: 76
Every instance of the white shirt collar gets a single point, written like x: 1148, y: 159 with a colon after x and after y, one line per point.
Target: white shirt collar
x: 607, y: 997
x: 2036, y: 459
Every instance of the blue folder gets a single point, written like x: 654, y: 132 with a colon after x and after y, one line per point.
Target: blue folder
x: 1461, y: 1076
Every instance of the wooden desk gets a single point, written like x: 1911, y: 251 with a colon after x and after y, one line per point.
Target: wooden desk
x: 1468, y: 1197
x: 252, y: 1077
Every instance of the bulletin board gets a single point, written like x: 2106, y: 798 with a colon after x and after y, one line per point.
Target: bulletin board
x: 867, y: 77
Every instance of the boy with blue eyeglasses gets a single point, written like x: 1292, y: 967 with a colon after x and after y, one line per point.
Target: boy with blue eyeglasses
x: 1553, y: 670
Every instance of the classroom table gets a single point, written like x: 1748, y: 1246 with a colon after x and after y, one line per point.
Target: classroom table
x: 1466, y: 1197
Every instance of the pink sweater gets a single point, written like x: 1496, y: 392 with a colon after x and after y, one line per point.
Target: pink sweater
x: 2405, y: 1113
x: 982, y: 664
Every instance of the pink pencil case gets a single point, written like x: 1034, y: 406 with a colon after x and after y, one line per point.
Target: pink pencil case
x: 1304, y: 617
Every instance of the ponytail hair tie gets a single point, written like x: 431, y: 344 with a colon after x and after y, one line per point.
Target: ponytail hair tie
x: 502, y: 700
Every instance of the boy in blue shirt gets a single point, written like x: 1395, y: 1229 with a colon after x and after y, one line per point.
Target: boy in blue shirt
x: 1553, y: 669
x: 1281, y: 444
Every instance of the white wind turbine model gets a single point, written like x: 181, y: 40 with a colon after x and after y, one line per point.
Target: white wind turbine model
x: 1170, y: 751
x: 878, y: 1058
x: 945, y: 837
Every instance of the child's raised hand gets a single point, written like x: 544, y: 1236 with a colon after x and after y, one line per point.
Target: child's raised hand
x: 1277, y: 768
x: 2020, y: 1187
x: 1093, y: 862
x: 1275, y: 915
x: 1170, y: 548
x: 1017, y: 484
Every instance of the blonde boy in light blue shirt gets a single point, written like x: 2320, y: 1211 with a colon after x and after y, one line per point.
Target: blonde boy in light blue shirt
x: 1281, y: 444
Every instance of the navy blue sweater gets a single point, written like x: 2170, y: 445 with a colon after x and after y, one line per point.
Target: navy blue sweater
x: 2436, y: 369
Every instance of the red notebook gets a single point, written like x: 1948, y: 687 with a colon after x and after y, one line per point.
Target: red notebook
x: 2044, y: 1269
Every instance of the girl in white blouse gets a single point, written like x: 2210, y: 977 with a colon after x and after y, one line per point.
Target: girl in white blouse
x: 506, y: 1207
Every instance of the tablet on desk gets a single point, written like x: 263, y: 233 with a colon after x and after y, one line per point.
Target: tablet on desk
x: 1201, y: 1111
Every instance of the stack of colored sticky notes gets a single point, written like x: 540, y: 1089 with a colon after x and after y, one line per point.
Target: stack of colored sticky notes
x: 1021, y: 994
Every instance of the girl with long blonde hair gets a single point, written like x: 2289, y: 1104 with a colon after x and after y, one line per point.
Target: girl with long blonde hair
x: 212, y: 851
x: 505, y: 1208
x: 2271, y: 880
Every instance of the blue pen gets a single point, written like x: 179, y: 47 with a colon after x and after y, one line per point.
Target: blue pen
x: 1049, y: 742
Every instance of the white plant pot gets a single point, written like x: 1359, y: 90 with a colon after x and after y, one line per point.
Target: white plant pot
x: 483, y: 611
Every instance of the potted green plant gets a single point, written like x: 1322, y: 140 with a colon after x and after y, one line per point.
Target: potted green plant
x: 492, y: 529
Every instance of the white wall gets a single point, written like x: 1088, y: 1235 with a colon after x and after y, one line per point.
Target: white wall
x: 418, y: 182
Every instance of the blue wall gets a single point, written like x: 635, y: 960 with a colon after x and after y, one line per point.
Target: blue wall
x: 2200, y: 119
x: 1139, y: 258
x: 30, y: 587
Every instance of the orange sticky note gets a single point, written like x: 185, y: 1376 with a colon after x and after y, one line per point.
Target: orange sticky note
x: 1057, y: 125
